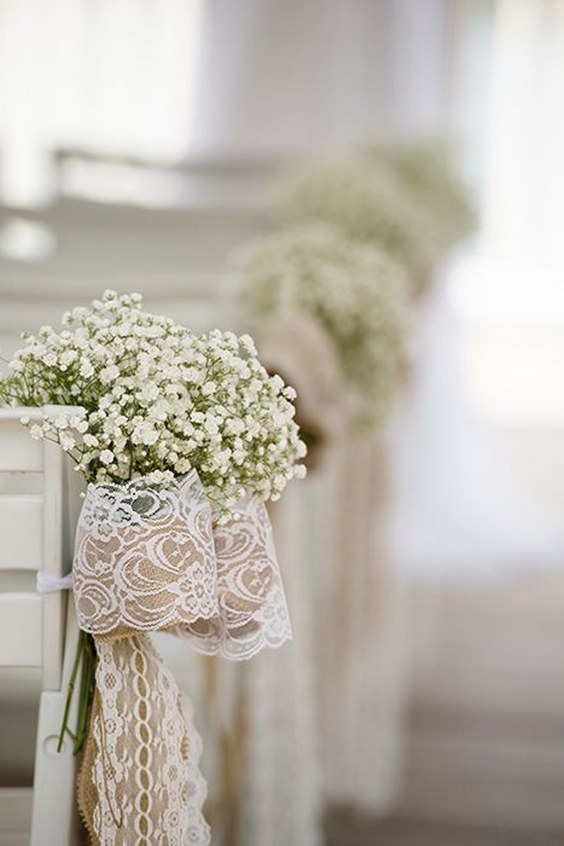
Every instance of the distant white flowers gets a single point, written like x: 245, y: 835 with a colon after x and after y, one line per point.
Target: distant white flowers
x: 425, y: 172
x: 404, y: 198
x: 158, y: 400
x: 357, y: 292
x: 362, y: 233
x: 365, y: 204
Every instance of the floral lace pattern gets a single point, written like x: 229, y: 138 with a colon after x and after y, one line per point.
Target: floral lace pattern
x: 144, y: 557
x: 252, y: 605
x: 143, y: 785
x: 147, y: 559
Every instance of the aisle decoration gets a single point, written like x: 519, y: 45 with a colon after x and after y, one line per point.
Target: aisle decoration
x: 181, y: 437
x: 358, y: 239
x: 358, y: 294
x: 403, y: 197
x: 365, y: 203
x: 297, y: 345
x: 427, y: 170
x: 284, y: 804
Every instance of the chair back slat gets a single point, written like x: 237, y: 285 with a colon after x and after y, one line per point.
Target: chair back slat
x: 18, y: 451
x: 21, y: 625
x: 39, y: 501
x: 54, y: 604
x: 32, y: 529
x: 21, y: 532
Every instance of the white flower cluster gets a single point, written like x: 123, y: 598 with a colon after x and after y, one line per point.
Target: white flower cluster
x: 367, y: 204
x: 158, y: 400
x: 426, y: 170
x: 358, y: 293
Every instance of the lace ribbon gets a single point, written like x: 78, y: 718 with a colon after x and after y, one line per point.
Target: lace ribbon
x: 47, y: 583
x: 148, y: 559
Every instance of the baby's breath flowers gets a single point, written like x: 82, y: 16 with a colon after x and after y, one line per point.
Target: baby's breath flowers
x: 365, y: 202
x: 157, y: 400
x: 357, y: 292
x: 426, y: 169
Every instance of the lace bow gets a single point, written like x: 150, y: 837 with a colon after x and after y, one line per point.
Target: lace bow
x: 147, y: 559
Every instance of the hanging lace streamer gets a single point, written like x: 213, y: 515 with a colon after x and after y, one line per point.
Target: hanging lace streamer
x: 148, y: 559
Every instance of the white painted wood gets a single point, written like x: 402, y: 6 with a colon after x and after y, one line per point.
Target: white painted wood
x: 21, y: 531
x: 21, y: 620
x: 18, y: 451
x: 16, y: 414
x: 34, y: 529
x: 53, y: 603
x: 166, y: 249
x: 54, y: 817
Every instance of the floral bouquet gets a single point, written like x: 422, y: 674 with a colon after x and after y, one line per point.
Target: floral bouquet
x: 357, y: 292
x: 182, y: 438
x: 158, y: 400
x: 426, y: 170
x: 366, y: 203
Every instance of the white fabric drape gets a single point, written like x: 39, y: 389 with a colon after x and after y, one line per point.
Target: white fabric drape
x: 304, y: 75
x: 282, y: 806
x: 361, y: 636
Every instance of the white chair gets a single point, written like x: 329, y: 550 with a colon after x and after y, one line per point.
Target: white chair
x: 36, y: 522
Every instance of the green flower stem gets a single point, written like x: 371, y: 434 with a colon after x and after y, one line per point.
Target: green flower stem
x: 85, y: 659
x: 87, y: 686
